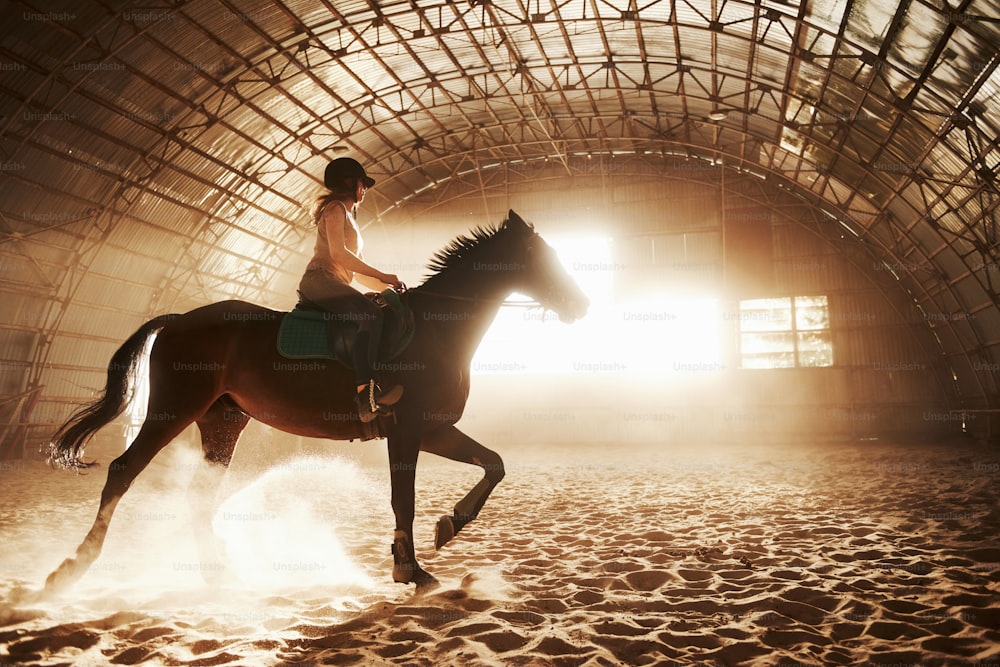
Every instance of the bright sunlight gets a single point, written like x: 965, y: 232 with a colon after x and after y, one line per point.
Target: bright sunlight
x: 664, y: 336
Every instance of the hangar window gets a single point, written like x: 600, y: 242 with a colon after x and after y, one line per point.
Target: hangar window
x: 785, y: 332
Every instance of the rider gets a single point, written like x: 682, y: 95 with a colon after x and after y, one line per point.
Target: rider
x: 336, y: 262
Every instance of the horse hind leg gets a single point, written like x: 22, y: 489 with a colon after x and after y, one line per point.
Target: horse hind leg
x: 152, y: 437
x: 220, y: 429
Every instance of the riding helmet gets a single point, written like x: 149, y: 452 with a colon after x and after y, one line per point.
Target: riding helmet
x: 343, y: 168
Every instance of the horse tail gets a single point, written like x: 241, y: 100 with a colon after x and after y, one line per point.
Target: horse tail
x: 66, y: 448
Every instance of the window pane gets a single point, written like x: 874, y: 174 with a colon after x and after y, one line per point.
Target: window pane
x: 766, y: 315
x: 774, y: 335
x: 811, y: 312
x: 768, y: 361
x: 767, y: 350
x: 815, y: 348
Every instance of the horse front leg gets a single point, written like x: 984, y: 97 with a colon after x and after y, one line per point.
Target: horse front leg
x: 452, y: 444
x: 404, y: 446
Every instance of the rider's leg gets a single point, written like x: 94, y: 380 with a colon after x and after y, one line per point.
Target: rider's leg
x: 348, y: 304
x: 364, y: 370
x: 371, y: 397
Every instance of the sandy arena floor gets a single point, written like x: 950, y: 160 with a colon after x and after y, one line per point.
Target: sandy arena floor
x: 865, y: 553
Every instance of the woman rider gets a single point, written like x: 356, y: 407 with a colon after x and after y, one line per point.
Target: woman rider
x: 336, y: 262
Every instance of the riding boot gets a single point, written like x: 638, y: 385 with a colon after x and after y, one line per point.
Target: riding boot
x: 372, y: 401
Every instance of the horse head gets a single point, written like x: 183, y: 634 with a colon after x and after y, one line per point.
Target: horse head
x: 542, y: 275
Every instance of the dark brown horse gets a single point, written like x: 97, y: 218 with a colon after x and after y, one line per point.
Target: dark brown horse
x: 217, y: 366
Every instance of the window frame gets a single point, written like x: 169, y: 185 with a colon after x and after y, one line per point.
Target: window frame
x: 793, y: 331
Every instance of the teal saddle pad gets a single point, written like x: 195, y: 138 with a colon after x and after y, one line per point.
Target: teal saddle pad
x: 304, y: 333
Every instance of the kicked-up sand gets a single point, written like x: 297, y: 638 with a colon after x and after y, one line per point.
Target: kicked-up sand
x: 801, y: 554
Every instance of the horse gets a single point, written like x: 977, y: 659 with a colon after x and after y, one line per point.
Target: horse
x: 217, y: 366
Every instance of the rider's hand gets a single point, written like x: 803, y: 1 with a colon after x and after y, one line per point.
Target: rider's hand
x: 393, y: 280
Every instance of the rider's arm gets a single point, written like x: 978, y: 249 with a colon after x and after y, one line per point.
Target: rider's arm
x: 334, y: 218
x: 371, y: 283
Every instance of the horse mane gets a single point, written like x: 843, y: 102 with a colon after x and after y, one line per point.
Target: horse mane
x: 461, y: 248
x: 467, y: 245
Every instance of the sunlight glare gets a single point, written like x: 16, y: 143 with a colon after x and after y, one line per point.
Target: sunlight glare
x: 663, y: 336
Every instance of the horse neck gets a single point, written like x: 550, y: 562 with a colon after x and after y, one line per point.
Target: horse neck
x: 461, y: 302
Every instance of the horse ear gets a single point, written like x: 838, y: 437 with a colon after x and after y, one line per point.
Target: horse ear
x: 514, y: 220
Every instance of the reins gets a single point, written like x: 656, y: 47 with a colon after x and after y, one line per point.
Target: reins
x: 473, y: 299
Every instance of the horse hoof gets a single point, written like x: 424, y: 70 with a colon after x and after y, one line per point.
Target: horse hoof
x: 443, y: 531
x: 412, y: 573
x: 61, y: 578
x: 425, y: 582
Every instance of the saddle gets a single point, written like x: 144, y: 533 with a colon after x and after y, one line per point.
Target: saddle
x: 307, y: 331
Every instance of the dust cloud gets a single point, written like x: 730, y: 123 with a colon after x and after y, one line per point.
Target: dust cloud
x: 300, y: 528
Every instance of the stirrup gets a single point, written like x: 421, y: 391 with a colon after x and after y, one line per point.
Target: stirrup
x: 390, y: 397
x: 371, y: 405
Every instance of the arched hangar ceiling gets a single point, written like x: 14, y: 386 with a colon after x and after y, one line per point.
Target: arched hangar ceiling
x: 167, y: 149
